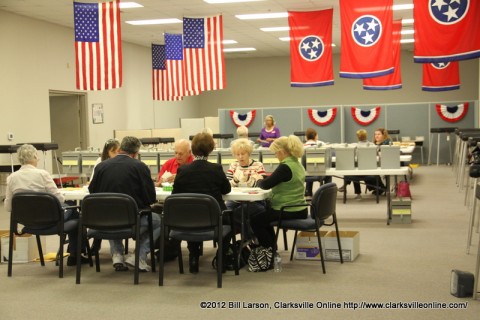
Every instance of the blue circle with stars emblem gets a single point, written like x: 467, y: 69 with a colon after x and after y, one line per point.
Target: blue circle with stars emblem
x: 311, y: 48
x: 367, y: 30
x: 440, y: 65
x: 448, y: 11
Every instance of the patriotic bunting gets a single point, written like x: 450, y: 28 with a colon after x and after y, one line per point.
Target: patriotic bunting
x: 243, y: 119
x: 365, y: 117
x: 322, y: 118
x: 452, y: 113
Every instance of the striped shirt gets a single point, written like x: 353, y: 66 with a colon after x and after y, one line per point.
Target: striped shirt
x: 253, y: 172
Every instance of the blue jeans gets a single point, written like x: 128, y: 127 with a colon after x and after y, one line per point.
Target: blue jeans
x: 116, y: 246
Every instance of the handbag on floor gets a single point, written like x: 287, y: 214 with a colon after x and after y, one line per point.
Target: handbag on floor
x: 260, y: 259
x: 403, y: 190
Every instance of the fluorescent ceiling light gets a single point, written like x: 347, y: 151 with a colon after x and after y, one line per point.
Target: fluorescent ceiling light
x: 407, y: 21
x: 407, y: 41
x: 262, y: 16
x: 229, y: 1
x: 154, y: 21
x: 229, y: 41
x: 403, y: 6
x: 408, y: 31
x: 127, y: 5
x: 238, y: 49
x: 274, y: 29
x: 288, y: 39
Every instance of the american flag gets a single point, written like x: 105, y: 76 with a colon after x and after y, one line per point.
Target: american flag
x: 204, y: 61
x: 174, y: 64
x: 98, y: 45
x: 160, y: 82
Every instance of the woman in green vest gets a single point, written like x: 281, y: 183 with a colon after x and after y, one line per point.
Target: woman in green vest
x: 288, y: 186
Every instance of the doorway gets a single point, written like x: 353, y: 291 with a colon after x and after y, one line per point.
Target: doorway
x: 68, y: 123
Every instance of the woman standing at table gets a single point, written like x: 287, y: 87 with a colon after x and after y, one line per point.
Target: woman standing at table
x: 244, y: 172
x: 202, y: 176
x: 287, y: 184
x: 381, y: 137
x: 268, y: 133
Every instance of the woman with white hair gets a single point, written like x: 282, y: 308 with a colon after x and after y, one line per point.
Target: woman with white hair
x: 244, y: 172
x: 30, y: 178
x: 287, y: 184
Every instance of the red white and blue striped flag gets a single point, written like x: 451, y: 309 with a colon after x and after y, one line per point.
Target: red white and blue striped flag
x: 160, y: 83
x: 204, y: 60
x: 174, y: 64
x: 98, y: 45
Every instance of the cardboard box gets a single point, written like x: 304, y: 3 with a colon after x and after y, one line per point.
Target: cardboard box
x: 350, y: 241
x: 24, y: 247
x: 307, y: 245
x: 401, y: 211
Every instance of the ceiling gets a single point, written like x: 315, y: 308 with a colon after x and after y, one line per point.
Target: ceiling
x: 246, y: 32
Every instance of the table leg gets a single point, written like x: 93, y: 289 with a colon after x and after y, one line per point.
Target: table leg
x: 389, y: 205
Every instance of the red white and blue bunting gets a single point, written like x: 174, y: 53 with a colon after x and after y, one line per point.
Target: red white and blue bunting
x: 322, y: 118
x: 452, y: 113
x: 243, y: 119
x: 365, y: 117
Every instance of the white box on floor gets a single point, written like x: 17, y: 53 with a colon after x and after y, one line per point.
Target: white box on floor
x: 307, y: 245
x: 350, y: 242
x: 24, y: 247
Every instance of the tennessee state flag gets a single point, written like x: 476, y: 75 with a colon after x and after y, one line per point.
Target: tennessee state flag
x: 311, y: 48
x: 441, y: 76
x: 447, y: 30
x: 366, y: 38
x: 393, y: 80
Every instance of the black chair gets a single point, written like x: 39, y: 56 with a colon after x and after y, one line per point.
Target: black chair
x: 195, y: 217
x: 322, y: 208
x: 41, y: 214
x: 113, y: 216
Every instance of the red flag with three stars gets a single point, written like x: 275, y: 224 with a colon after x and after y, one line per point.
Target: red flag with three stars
x: 441, y: 76
x: 311, y: 48
x: 446, y: 30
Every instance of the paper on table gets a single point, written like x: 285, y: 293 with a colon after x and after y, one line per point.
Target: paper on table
x: 166, y: 175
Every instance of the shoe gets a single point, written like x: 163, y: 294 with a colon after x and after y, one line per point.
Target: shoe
x: 72, y: 260
x: 193, y: 264
x: 358, y: 197
x: 142, y: 263
x: 118, y: 262
x: 341, y: 189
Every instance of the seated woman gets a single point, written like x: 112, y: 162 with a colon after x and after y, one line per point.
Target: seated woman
x: 110, y: 150
x: 287, y: 184
x: 381, y: 137
x: 312, y: 141
x: 369, y: 180
x: 201, y: 176
x: 244, y: 172
x: 30, y: 178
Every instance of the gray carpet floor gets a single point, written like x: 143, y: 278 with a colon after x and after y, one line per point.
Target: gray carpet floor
x: 399, y: 263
